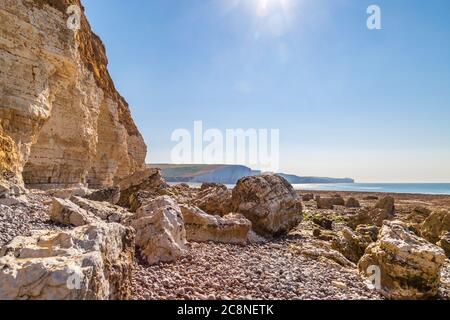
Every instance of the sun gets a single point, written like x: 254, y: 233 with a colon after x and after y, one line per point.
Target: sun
x: 267, y: 17
x: 265, y: 8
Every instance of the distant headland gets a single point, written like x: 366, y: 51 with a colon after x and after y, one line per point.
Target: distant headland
x: 228, y: 174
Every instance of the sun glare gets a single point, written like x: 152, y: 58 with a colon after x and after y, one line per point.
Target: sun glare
x: 268, y: 17
x: 267, y: 7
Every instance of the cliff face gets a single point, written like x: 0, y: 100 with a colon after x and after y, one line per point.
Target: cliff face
x: 62, y: 122
x: 226, y: 175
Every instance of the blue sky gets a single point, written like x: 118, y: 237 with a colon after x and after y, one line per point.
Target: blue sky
x: 349, y: 102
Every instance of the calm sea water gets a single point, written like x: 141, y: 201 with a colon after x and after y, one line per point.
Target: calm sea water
x: 419, y: 188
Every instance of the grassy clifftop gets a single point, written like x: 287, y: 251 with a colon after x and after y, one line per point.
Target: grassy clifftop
x: 228, y: 174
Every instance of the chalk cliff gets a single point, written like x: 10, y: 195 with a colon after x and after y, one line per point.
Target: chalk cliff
x: 62, y: 122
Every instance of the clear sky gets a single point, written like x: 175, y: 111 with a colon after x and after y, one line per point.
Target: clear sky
x: 349, y: 102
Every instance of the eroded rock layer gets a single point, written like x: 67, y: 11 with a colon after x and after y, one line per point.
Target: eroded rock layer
x: 62, y: 122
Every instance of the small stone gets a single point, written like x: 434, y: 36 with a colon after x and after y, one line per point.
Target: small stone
x: 339, y: 284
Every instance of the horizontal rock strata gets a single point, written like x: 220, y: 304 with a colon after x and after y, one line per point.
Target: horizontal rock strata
x: 62, y: 122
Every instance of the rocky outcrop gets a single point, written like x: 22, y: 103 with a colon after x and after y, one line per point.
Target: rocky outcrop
x: 140, y: 199
x: 387, y: 204
x: 353, y: 244
x: 92, y: 262
x: 67, y: 213
x: 160, y: 232
x: 329, y: 203
x: 323, y: 222
x: 307, y: 197
x: 444, y: 243
x: 111, y: 195
x: 325, y: 203
x: 352, y: 203
x: 436, y: 223
x: 367, y: 216
x: 62, y: 121
x: 269, y: 202
x: 68, y: 193
x: 338, y: 200
x: 203, y: 227
x: 79, y: 212
x: 10, y: 177
x: 370, y: 233
x: 102, y: 210
x: 148, y: 180
x: 410, y: 266
x: 417, y: 216
x: 214, y: 199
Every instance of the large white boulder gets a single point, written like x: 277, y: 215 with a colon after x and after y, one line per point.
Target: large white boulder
x: 203, y: 227
x: 93, y: 262
x: 160, y: 232
x: 409, y: 265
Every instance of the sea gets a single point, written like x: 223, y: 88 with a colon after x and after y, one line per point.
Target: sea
x: 414, y: 188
